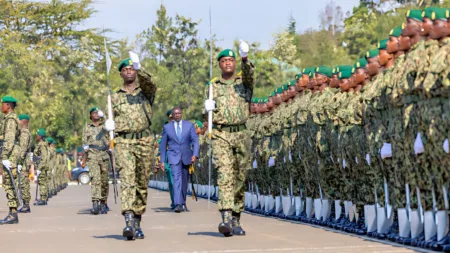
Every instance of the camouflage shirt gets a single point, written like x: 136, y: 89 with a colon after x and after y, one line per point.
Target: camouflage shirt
x: 303, y: 104
x: 90, y: 133
x: 10, y: 133
x: 133, y: 110
x: 437, y: 82
x: 24, y: 143
x: 41, y: 152
x: 232, y: 97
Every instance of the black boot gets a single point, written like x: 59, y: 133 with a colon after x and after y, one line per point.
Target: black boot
x: 139, y: 232
x: 103, y: 207
x: 129, y: 231
x: 237, y: 229
x: 12, y: 218
x: 226, y: 226
x: 25, y: 208
x: 95, y: 207
x: 41, y: 202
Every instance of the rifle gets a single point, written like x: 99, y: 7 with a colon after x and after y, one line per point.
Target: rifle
x: 191, y: 175
x: 19, y: 191
x: 111, y: 117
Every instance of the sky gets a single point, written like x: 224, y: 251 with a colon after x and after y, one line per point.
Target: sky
x: 250, y: 20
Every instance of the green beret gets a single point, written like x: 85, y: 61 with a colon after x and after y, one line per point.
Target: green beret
x: 345, y: 71
x: 93, y: 109
x: 396, y: 32
x: 24, y: 116
x: 415, y: 14
x: 125, y: 63
x: 307, y: 71
x: 298, y: 76
x: 8, y: 99
x: 361, y: 63
x: 440, y: 13
x: 312, y: 71
x: 285, y: 86
x: 428, y: 12
x: 159, y: 141
x: 53, y: 141
x: 279, y: 90
x: 198, y: 124
x: 265, y: 100
x: 58, y: 150
x: 41, y: 132
x: 169, y: 113
x: 335, y: 70
x: 272, y: 94
x: 382, y: 44
x: 324, y: 70
x: 226, y: 53
x: 292, y: 82
x: 372, y: 53
x: 49, y: 139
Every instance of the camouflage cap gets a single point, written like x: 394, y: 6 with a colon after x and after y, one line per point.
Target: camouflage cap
x: 125, y: 63
x: 415, y: 14
x: 382, y: 44
x: 396, y: 32
x: 226, y: 53
x: 372, y: 53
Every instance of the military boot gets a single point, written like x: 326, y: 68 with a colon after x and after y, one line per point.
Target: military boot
x: 12, y: 218
x: 139, y: 232
x: 103, y: 207
x: 237, y: 229
x: 226, y: 226
x: 129, y: 231
x: 95, y: 207
x: 25, y: 208
x: 41, y: 202
x: 55, y: 193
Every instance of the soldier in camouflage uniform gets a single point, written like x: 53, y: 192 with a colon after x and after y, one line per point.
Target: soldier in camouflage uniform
x: 230, y: 138
x: 41, y: 166
x: 51, y: 166
x: 97, y: 160
x: 9, y: 134
x: 132, y: 109
x: 24, y: 162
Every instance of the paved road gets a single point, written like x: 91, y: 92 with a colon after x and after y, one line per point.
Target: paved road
x: 65, y: 226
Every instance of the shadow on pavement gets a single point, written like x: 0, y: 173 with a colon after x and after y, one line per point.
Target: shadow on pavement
x: 84, y: 211
x: 117, y: 237
x: 162, y: 210
x: 212, y: 234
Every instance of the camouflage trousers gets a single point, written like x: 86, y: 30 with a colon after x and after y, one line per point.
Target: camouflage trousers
x: 348, y: 163
x: 373, y: 128
x: 231, y: 158
x: 13, y: 202
x: 434, y: 160
x: 134, y: 161
x: 43, y: 184
x: 25, y: 185
x: 309, y: 161
x: 50, y: 179
x: 99, y: 172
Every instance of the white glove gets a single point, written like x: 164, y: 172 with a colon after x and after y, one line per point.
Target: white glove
x: 100, y: 113
x: 271, y: 162
x: 368, y: 159
x: 386, y: 150
x: 135, y: 59
x: 299, y: 156
x: 19, y: 168
x: 243, y: 48
x: 7, y: 164
x: 210, y: 105
x: 356, y: 160
x: 344, y: 164
x: 290, y: 156
x: 331, y: 157
x: 85, y: 147
x: 110, y: 125
x: 38, y: 172
x: 255, y: 164
x: 445, y: 146
x: 284, y: 159
x: 418, y: 145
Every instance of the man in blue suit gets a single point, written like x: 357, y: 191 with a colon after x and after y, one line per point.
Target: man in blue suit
x: 181, y: 141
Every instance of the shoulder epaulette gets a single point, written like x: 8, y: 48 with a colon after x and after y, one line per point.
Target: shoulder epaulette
x: 116, y: 90
x: 240, y: 73
x: 212, y: 81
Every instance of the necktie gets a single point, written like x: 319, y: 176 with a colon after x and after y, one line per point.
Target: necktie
x: 178, y: 131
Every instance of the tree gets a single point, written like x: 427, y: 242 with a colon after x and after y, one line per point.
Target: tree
x: 292, y: 27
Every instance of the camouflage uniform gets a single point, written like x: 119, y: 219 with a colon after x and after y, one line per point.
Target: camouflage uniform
x: 134, y: 142
x: 97, y: 161
x: 41, y: 152
x: 51, y: 168
x: 230, y: 140
x: 9, y: 133
x: 24, y: 144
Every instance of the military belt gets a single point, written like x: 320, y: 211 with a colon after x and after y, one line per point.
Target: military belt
x: 98, y: 147
x: 134, y: 136
x: 230, y: 128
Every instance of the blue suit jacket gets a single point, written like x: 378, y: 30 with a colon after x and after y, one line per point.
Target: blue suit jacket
x: 179, y: 150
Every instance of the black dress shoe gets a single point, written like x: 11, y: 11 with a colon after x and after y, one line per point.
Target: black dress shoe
x: 179, y: 209
x: 12, y: 218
